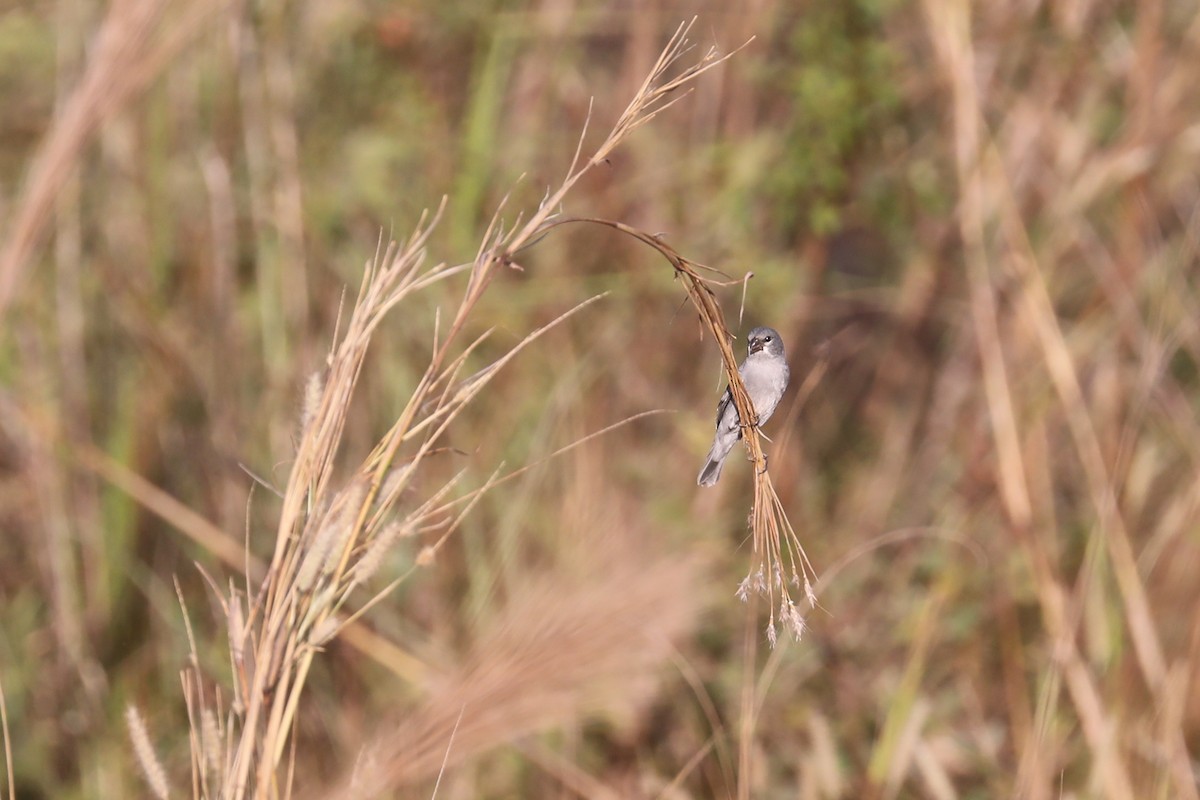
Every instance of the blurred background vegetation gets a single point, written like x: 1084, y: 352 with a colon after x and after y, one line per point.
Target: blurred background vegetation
x: 979, y: 218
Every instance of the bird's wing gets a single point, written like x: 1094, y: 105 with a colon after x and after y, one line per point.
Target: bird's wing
x: 724, y: 403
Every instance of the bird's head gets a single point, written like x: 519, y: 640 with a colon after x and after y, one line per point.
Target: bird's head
x: 764, y: 339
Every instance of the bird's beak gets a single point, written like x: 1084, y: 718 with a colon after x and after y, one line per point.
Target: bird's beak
x: 756, y: 345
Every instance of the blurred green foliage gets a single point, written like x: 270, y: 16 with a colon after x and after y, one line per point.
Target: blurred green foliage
x: 834, y: 72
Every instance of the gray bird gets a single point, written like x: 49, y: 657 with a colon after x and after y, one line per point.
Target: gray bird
x: 765, y: 374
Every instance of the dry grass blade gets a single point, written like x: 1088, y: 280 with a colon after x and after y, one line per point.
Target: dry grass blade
x: 449, y: 746
x: 8, y: 756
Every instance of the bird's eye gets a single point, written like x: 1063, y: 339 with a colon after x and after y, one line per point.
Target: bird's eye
x: 766, y: 338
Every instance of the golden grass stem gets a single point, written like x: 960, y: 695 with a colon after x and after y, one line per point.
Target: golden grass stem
x: 747, y: 721
x: 8, y: 755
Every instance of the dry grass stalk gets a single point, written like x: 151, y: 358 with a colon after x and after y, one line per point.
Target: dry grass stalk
x: 207, y: 743
x: 8, y: 755
x: 325, y: 534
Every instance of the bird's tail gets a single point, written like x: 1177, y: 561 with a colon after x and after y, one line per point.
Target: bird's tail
x: 711, y: 472
x: 716, y: 459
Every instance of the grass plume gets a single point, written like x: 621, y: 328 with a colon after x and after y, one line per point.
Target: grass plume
x: 152, y: 768
x: 562, y: 646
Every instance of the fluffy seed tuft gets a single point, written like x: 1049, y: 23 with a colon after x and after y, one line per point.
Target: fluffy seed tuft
x: 152, y: 769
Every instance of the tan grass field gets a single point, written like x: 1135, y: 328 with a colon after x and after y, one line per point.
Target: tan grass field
x: 357, y: 361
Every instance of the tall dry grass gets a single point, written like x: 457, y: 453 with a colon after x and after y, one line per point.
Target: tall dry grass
x: 331, y: 541
x: 974, y: 226
x: 990, y: 199
x: 131, y: 48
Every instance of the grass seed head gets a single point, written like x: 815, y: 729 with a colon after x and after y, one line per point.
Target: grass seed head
x: 152, y: 769
x: 313, y: 389
x: 371, y: 560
